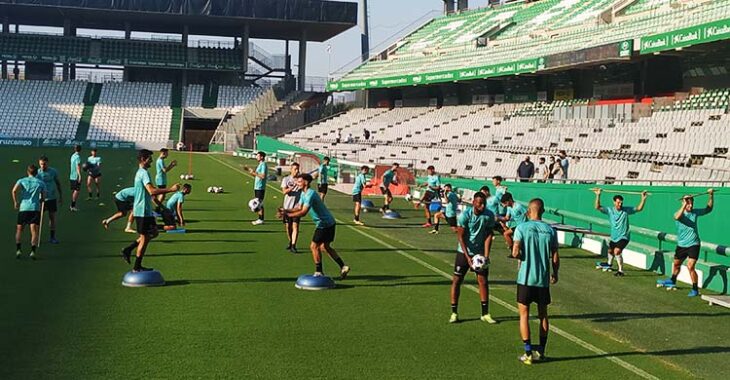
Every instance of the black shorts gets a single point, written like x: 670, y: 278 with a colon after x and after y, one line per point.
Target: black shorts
x: 146, y: 225
x: 50, y: 205
x: 29, y: 217
x: 123, y: 206
x: 461, y: 266
x: 324, y: 235
x: 162, y: 186
x: 386, y: 191
x: 428, y: 195
x: 168, y: 217
x: 533, y: 294
x: 498, y: 228
x: 682, y: 253
x: 288, y: 220
x: 95, y: 175
x: 621, y: 244
x: 323, y: 187
x: 259, y: 194
x: 451, y: 220
x: 75, y: 185
x: 357, y: 198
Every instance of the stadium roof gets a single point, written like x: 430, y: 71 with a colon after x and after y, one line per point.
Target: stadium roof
x: 268, y: 19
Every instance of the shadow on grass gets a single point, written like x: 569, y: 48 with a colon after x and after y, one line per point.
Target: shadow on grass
x: 184, y: 254
x: 620, y: 317
x: 206, y: 241
x: 674, y: 352
x: 221, y: 231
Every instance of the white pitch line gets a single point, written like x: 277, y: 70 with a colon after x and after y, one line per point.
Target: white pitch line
x: 580, y: 342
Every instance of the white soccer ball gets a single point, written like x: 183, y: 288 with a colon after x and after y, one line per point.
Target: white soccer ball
x: 479, y: 262
x: 409, y: 197
x: 210, y: 189
x: 182, y: 176
x: 254, y: 205
x: 191, y: 176
x: 219, y: 190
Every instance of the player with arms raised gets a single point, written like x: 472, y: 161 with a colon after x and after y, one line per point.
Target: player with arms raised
x: 618, y: 216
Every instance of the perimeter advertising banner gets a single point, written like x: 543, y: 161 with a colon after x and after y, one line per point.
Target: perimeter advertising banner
x: 482, y: 72
x: 710, y: 32
x: 65, y: 143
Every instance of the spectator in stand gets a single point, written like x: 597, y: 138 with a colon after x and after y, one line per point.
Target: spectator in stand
x: 350, y: 139
x: 543, y: 171
x: 366, y: 134
x: 554, y: 168
x: 526, y: 170
x: 564, y: 164
x: 339, y: 136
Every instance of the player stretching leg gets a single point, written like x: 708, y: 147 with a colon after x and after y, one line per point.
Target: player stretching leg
x: 433, y: 191
x: 124, y: 200
x: 54, y: 198
x: 618, y: 216
x: 172, y: 213
x: 516, y: 215
x: 449, y: 213
x: 292, y: 194
x: 32, y: 192
x: 94, y: 176
x: 360, y: 184
x: 536, y: 246
x: 474, y: 232
x: 324, y: 234
x: 388, y: 179
x: 144, y: 190
x: 259, y: 186
x: 688, y: 240
x: 75, y: 177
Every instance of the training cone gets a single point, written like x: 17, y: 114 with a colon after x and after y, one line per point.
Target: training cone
x: 176, y: 231
x: 309, y: 282
x: 368, y: 204
x: 143, y: 279
x: 390, y: 214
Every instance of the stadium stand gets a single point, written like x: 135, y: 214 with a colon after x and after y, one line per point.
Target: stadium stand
x: 138, y: 112
x: 529, y: 30
x: 194, y: 96
x: 38, y: 109
x: 688, y: 142
x: 236, y: 97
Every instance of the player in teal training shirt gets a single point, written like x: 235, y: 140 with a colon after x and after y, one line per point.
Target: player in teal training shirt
x: 324, y: 233
x: 516, y: 214
x: 75, y: 177
x: 28, y: 194
x: 387, y: 180
x: 323, y: 173
x: 688, y: 239
x: 432, y: 193
x: 536, y: 247
x: 124, y: 200
x: 474, y: 234
x: 94, y: 174
x: 259, y: 186
x: 161, y: 171
x: 361, y: 183
x: 449, y: 212
x: 54, y: 198
x: 618, y: 216
x: 172, y: 214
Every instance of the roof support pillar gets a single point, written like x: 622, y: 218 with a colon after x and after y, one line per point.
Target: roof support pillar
x: 4, y: 64
x: 245, y: 48
x: 302, y: 60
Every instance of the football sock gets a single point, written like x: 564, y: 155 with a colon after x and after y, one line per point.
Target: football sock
x: 138, y: 262
x: 53, y: 234
x: 73, y: 203
x: 454, y: 307
x: 98, y: 194
x: 610, y: 260
x: 528, y: 347
x: 620, y: 262
x: 674, y: 278
x: 694, y: 287
x: 340, y: 262
x: 436, y: 226
x: 485, y: 308
x: 33, y: 248
x: 543, y: 342
x: 357, y: 218
x: 318, y: 267
x: 17, y: 246
x: 132, y: 246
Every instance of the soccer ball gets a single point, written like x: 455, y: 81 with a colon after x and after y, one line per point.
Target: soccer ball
x: 210, y: 189
x: 254, y: 205
x: 409, y: 197
x: 479, y: 262
x: 191, y: 176
x: 218, y: 190
x: 182, y: 176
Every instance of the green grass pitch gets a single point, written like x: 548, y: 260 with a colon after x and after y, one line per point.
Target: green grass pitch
x: 230, y: 309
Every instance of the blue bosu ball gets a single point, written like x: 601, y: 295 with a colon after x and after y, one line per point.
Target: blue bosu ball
x: 367, y: 203
x: 309, y: 282
x: 143, y: 279
x: 435, y: 206
x: 390, y: 214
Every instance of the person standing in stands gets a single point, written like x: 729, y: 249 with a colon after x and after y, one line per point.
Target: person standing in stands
x: 564, y: 164
x: 543, y: 171
x: 526, y: 170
